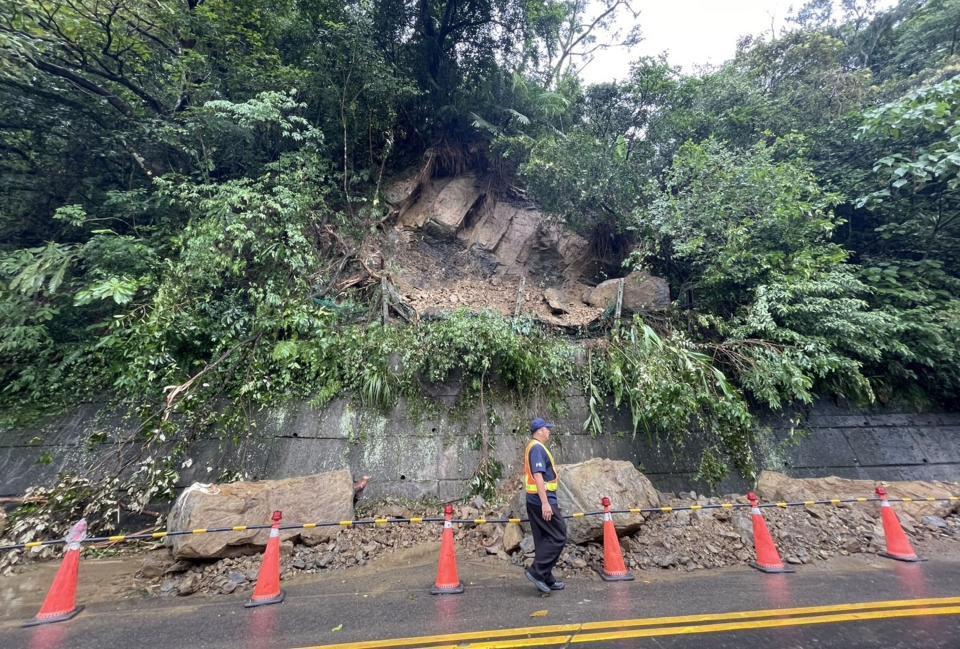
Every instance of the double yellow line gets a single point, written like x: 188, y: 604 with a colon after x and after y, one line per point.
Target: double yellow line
x: 570, y: 634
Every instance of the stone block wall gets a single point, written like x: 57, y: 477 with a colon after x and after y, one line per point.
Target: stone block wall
x: 414, y: 454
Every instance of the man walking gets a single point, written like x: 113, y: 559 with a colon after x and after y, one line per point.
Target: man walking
x: 549, y: 529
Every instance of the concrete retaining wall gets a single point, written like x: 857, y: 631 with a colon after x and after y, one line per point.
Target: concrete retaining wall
x: 414, y: 454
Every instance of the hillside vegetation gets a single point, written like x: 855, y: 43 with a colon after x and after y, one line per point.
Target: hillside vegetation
x: 189, y: 190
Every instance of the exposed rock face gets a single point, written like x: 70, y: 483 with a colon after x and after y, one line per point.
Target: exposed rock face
x: 451, y: 205
x: 583, y: 485
x: 3, y: 522
x: 308, y: 499
x: 777, y: 486
x: 641, y: 291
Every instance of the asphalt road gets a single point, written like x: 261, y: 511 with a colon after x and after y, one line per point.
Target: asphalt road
x: 383, y: 604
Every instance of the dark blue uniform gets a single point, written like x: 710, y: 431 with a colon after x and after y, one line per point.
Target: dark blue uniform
x: 549, y: 537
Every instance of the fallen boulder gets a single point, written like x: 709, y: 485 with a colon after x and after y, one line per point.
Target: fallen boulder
x: 582, y: 486
x: 777, y: 486
x: 641, y: 291
x: 307, y: 499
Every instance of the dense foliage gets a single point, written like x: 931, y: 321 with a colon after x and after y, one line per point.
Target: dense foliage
x: 191, y: 190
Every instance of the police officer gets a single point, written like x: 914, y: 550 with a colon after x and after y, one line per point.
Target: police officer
x: 549, y: 529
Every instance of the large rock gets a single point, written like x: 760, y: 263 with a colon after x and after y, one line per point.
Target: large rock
x: 582, y: 486
x: 641, y: 291
x: 775, y: 486
x: 451, y: 206
x: 3, y: 522
x: 307, y: 499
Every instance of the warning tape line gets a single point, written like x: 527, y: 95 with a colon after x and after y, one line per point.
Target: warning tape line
x: 415, y: 520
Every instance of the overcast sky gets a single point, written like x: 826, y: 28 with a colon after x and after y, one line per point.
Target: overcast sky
x: 693, y: 32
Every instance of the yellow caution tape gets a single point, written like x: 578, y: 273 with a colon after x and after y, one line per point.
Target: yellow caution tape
x: 835, y: 501
x: 239, y: 528
x: 515, y: 521
x: 782, y: 505
x: 309, y: 526
x: 479, y: 521
x: 158, y: 535
x: 416, y: 519
x: 201, y: 530
x: 32, y: 544
x: 578, y: 514
x: 346, y: 523
x: 696, y: 508
x: 861, y: 499
x: 636, y: 510
x: 954, y: 498
x: 117, y: 539
x: 380, y: 522
x: 727, y: 505
x: 930, y: 499
x: 809, y: 503
x: 907, y: 500
x: 666, y: 510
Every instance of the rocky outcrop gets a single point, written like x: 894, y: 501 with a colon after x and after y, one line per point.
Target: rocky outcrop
x: 777, y: 486
x: 307, y: 499
x: 641, y: 292
x: 582, y: 486
x: 451, y: 206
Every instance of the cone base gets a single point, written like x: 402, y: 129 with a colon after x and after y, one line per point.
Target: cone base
x: 610, y: 577
x: 63, y: 617
x: 905, y: 558
x: 772, y: 570
x: 447, y: 590
x: 266, y: 601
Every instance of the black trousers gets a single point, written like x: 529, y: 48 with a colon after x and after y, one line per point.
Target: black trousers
x: 549, y: 537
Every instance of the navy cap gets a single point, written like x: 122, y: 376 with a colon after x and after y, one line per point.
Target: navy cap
x: 538, y: 423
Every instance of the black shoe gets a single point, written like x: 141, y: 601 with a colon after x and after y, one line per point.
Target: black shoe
x: 557, y: 585
x: 541, y: 585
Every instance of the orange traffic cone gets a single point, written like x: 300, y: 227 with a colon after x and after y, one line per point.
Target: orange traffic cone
x: 898, y: 545
x: 768, y: 559
x: 448, y: 578
x: 61, y: 601
x: 613, y: 566
x: 268, y: 590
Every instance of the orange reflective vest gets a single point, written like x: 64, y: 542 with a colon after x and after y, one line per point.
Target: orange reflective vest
x: 529, y: 482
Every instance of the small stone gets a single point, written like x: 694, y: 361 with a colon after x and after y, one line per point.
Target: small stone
x: 181, y: 565
x: 188, y: 584
x: 579, y: 563
x: 236, y: 577
x: 793, y: 560
x: 299, y: 563
x: 667, y: 561
x: 326, y: 560
x: 228, y: 588
x: 934, y: 522
x: 527, y: 545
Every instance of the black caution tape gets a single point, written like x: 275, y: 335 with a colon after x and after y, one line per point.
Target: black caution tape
x: 415, y: 520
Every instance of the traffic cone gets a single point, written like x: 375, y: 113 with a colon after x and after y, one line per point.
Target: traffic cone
x: 61, y: 601
x: 768, y: 559
x: 448, y: 578
x: 268, y: 590
x: 613, y: 566
x: 898, y: 545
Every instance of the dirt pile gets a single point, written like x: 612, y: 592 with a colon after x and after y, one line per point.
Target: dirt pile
x: 684, y: 541
x: 457, y: 245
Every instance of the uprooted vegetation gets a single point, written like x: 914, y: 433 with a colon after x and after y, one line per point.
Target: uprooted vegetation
x: 245, y: 232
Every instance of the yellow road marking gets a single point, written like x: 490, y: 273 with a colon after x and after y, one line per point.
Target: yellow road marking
x: 753, y: 624
x: 771, y: 618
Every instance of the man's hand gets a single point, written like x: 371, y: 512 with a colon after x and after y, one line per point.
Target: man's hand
x: 547, y: 511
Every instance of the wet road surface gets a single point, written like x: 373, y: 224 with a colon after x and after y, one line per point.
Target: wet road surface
x: 380, y: 605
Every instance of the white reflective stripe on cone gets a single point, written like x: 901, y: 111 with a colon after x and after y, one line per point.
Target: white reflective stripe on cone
x: 756, y: 511
x: 607, y: 516
x: 274, y: 532
x: 884, y: 503
x: 447, y: 525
